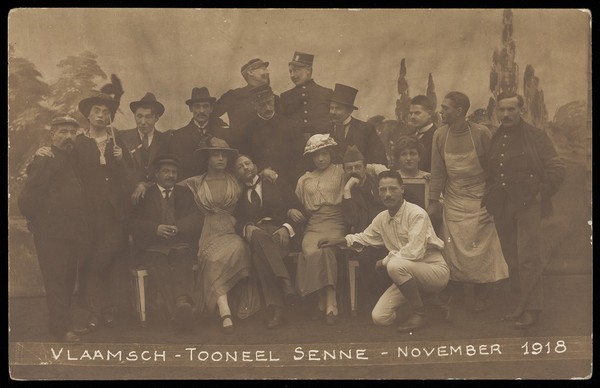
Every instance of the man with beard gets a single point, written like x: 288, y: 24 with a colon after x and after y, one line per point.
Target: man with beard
x: 307, y: 103
x: 414, y: 262
x: 420, y: 117
x: 273, y: 141
x: 265, y: 217
x: 360, y: 204
x: 57, y: 211
x: 203, y: 126
x: 238, y: 103
x: 145, y: 142
x: 524, y: 172
x: 348, y: 131
x: 166, y: 227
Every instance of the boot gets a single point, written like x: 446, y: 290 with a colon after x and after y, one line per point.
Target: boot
x: 417, y: 319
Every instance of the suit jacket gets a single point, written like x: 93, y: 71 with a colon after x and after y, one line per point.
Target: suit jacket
x: 53, y: 199
x: 148, y: 215
x: 359, y: 211
x: 159, y: 146
x: 363, y: 136
x: 277, y: 143
x: 186, y: 140
x: 277, y: 199
x: 308, y: 106
x: 112, y: 182
x: 426, y: 141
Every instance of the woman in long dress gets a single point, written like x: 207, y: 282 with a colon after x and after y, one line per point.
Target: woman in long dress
x: 223, y: 256
x: 471, y: 244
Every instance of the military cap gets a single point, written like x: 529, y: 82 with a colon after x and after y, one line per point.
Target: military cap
x: 253, y: 64
x: 261, y: 92
x: 302, y: 59
x: 63, y: 119
x: 352, y: 154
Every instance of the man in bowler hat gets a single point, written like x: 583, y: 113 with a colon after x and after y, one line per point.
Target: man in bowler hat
x: 145, y: 142
x: 166, y: 227
x: 348, y: 131
x: 57, y: 210
x: 203, y: 126
x: 307, y: 103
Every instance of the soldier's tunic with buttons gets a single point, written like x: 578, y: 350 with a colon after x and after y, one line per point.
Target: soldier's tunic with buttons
x: 308, y: 106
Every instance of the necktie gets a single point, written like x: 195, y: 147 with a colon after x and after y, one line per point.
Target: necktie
x: 167, y: 194
x: 341, y: 131
x: 254, y: 197
x: 145, y: 145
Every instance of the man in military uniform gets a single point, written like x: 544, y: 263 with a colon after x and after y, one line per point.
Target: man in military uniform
x: 307, y: 103
x: 524, y: 171
x: 203, y: 125
x: 349, y: 131
x: 238, y: 103
x: 57, y: 211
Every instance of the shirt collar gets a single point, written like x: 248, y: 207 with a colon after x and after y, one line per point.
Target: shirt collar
x: 254, y: 181
x: 347, y: 121
x: 150, y: 135
x: 162, y: 189
x: 203, y: 127
x: 424, y: 129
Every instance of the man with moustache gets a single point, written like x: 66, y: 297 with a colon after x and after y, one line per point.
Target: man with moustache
x: 265, y: 217
x: 414, y: 262
x: 238, y: 103
x: 420, y: 117
x: 203, y: 126
x: 57, y: 211
x: 360, y: 205
x: 166, y: 227
x: 274, y: 142
x: 145, y: 142
x: 524, y: 172
x: 307, y: 103
x: 348, y: 131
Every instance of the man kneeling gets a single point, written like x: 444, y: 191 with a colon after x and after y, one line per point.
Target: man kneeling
x: 414, y: 261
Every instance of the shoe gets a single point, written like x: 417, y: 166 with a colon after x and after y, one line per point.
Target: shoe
x: 109, y: 319
x: 527, y: 319
x: 71, y: 337
x: 331, y: 319
x: 277, y: 318
x: 516, y: 314
x: 317, y: 315
x: 183, y: 313
x: 415, y: 321
x: 93, y: 323
x: 227, y: 329
x: 480, y: 306
x: 290, y: 295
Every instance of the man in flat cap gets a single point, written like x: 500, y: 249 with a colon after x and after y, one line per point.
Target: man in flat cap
x: 203, y: 126
x: 360, y: 205
x: 166, y: 227
x: 54, y: 202
x: 238, y: 103
x: 273, y: 141
x: 307, y: 103
x: 145, y: 142
x: 348, y: 131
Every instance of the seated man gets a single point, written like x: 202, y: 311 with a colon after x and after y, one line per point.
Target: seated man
x: 360, y: 204
x: 414, y: 261
x: 264, y: 215
x: 166, y: 227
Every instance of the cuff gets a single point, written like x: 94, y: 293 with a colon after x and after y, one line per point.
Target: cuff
x: 290, y: 229
x: 244, y: 229
x: 347, y: 194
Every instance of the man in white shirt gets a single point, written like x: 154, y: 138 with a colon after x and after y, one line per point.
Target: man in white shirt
x: 414, y: 262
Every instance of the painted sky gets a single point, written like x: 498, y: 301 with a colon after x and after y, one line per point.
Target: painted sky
x: 168, y: 51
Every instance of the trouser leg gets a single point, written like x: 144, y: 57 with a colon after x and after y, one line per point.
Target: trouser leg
x: 507, y: 233
x: 159, y: 271
x: 384, y: 312
x: 269, y: 267
x: 58, y: 263
x: 530, y: 259
x: 182, y: 273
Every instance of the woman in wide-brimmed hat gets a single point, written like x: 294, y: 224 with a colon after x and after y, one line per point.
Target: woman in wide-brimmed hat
x: 223, y: 256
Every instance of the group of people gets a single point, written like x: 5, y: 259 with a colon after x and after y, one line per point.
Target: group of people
x: 212, y: 210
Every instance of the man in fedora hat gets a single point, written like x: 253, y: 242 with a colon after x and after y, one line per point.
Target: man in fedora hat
x: 203, y: 125
x: 307, y: 103
x: 56, y: 207
x: 348, y: 131
x: 263, y: 215
x: 238, y: 103
x: 166, y: 227
x: 360, y: 205
x: 145, y: 142
x: 273, y: 141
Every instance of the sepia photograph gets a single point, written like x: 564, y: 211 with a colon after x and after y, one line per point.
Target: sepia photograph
x: 299, y: 194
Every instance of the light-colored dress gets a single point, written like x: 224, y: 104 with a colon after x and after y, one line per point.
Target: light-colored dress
x: 223, y: 256
x: 471, y: 244
x: 321, y: 194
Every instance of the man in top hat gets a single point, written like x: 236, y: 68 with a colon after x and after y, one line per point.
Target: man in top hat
x: 307, y: 103
x: 203, y: 126
x: 238, y: 103
x: 145, y: 142
x: 166, y: 227
x: 348, y: 131
x: 360, y: 204
x: 56, y: 207
x: 273, y: 141
x: 264, y: 218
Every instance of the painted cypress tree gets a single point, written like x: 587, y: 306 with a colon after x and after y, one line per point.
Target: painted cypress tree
x: 402, y: 103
